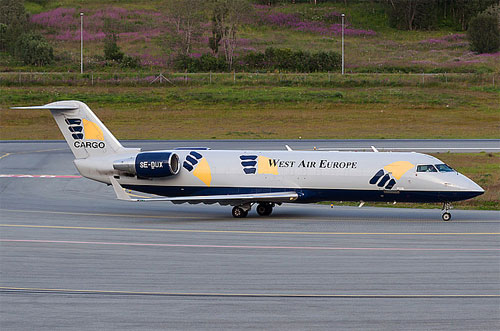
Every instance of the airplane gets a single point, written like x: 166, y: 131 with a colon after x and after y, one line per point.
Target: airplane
x: 243, y: 178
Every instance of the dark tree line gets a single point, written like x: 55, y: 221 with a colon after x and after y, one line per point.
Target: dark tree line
x: 426, y: 14
x: 17, y: 37
x: 416, y: 14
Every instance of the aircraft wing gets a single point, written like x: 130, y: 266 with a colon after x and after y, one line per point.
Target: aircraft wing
x: 223, y: 199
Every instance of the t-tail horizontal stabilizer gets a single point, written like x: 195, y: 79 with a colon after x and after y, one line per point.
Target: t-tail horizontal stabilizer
x: 49, y: 107
x: 85, y: 134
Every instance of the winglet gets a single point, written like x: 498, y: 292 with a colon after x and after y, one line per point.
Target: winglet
x: 374, y: 149
x: 288, y: 148
x: 120, y: 192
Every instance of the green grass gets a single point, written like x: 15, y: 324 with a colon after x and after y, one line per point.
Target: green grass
x: 221, y: 111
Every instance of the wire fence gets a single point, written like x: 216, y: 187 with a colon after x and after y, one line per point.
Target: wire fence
x: 244, y: 78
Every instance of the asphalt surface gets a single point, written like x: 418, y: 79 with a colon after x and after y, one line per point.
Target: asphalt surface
x: 404, y: 145
x: 73, y: 257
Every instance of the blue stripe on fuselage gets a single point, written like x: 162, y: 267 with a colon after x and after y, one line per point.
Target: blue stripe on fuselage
x: 311, y: 195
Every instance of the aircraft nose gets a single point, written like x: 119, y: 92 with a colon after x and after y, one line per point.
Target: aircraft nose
x: 472, y: 186
x: 463, y: 183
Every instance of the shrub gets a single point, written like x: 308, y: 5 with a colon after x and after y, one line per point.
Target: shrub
x: 111, y: 50
x: 484, y: 34
x: 130, y: 61
x: 289, y: 60
x: 204, y: 63
x: 33, y: 49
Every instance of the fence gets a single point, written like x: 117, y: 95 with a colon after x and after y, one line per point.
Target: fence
x: 245, y: 79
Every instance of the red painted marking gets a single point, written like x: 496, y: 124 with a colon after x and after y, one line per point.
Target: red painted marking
x: 38, y: 176
x: 249, y: 247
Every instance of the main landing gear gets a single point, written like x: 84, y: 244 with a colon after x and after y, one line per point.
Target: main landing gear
x: 263, y: 209
x: 446, y: 216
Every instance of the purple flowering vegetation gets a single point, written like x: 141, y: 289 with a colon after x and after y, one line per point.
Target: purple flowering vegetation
x: 446, y: 40
x: 294, y: 22
x: 63, y: 24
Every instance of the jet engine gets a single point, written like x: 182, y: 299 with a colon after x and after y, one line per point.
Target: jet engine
x: 150, y: 164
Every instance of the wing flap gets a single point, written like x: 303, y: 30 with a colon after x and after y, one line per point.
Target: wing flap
x: 223, y: 199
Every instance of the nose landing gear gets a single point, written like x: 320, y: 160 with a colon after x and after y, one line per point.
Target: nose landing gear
x: 446, y: 216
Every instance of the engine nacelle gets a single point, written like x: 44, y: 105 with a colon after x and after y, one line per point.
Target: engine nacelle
x: 150, y: 164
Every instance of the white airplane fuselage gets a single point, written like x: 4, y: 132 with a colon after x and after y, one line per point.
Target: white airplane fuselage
x: 243, y: 178
x: 314, y: 175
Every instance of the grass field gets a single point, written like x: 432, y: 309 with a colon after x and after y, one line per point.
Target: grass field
x: 224, y: 111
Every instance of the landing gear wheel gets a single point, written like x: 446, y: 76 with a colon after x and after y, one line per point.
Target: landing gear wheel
x: 264, y: 209
x: 446, y: 216
x: 239, y: 212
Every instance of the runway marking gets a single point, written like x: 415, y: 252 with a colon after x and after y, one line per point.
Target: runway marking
x: 29, y: 152
x: 6, y: 289
x: 38, y: 176
x: 6, y: 154
x: 100, y: 214
x: 350, y: 219
x: 245, y: 231
x: 36, y: 151
x: 322, y: 248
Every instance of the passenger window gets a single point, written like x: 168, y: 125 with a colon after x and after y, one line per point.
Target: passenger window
x: 444, y: 168
x: 426, y: 168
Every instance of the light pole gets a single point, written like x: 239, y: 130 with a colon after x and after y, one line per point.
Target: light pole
x: 81, y: 43
x: 343, y: 16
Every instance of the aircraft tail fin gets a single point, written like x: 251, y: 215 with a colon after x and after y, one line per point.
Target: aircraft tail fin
x: 83, y: 131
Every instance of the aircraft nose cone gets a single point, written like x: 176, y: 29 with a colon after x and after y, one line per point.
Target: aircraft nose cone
x: 474, y: 187
x: 463, y: 187
x: 468, y: 185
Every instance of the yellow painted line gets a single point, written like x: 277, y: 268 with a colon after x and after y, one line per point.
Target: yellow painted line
x: 221, y: 294
x: 98, y: 214
x: 29, y: 152
x: 212, y: 218
x: 246, y: 232
x: 140, y: 196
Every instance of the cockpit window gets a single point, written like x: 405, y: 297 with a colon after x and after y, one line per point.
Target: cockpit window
x: 444, y: 168
x: 426, y: 168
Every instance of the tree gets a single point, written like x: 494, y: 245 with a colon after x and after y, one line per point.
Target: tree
x: 484, y: 34
x: 15, y: 20
x: 3, y: 36
x: 412, y: 14
x: 33, y: 49
x: 187, y: 15
x: 215, y: 39
x: 464, y: 10
x: 494, y: 10
x: 229, y: 15
x: 13, y: 12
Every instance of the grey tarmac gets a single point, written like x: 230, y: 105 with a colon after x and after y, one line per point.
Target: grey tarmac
x: 73, y: 257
